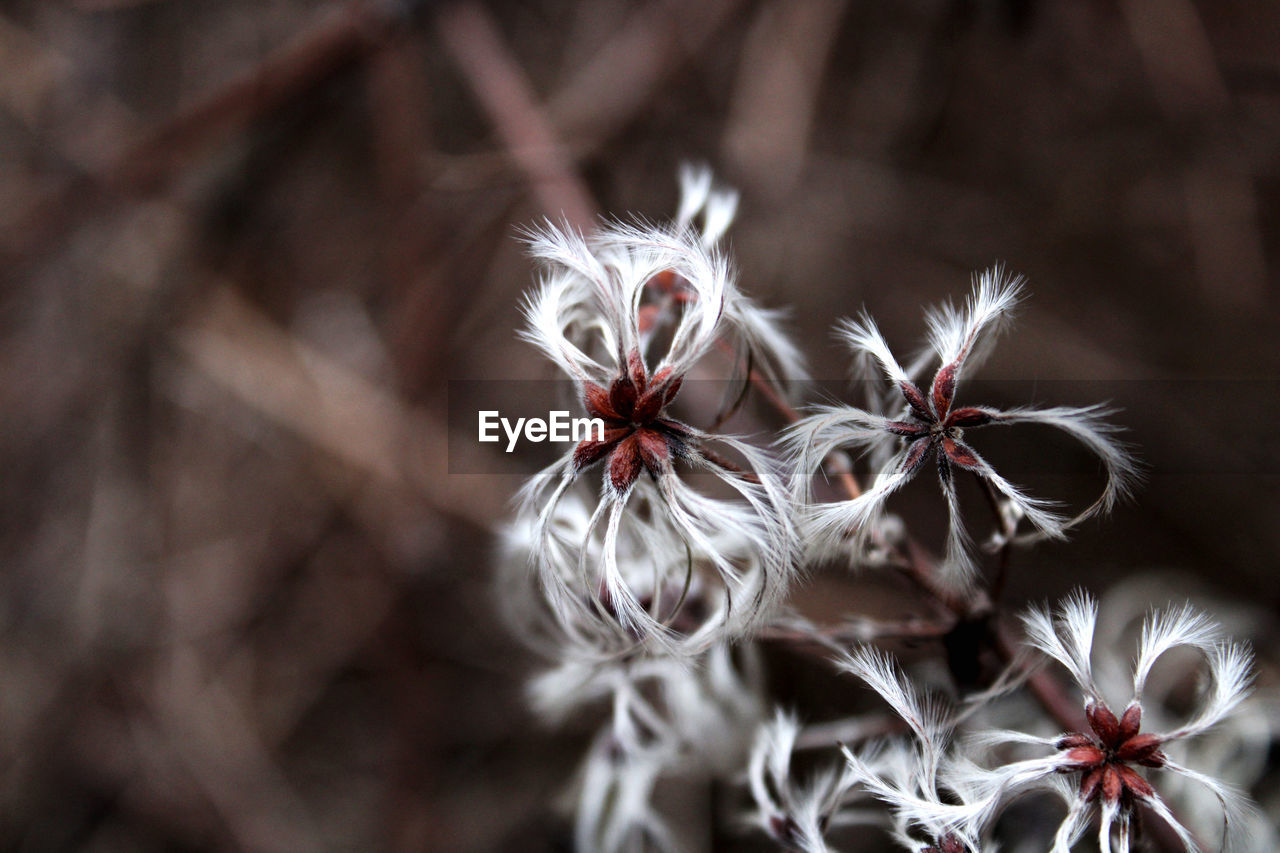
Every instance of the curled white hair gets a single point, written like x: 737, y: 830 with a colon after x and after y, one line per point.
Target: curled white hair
x: 930, y: 424
x: 1105, y: 762
x: 590, y: 316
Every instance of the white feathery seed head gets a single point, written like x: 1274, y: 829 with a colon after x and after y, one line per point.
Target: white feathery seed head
x: 615, y: 813
x: 927, y: 423
x: 627, y: 313
x: 665, y: 719
x: 797, y: 814
x: 1234, y: 751
x: 930, y: 801
x: 1122, y: 759
x: 606, y: 590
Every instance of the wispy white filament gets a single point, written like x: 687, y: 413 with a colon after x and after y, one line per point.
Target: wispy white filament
x: 959, y: 338
x: 616, y: 580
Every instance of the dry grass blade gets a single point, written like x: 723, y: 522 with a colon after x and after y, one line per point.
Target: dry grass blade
x: 332, y: 408
x: 472, y: 38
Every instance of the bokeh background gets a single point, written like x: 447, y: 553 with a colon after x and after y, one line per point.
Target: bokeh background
x: 247, y: 246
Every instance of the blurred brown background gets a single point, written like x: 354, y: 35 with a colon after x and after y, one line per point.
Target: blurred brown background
x: 243, y: 603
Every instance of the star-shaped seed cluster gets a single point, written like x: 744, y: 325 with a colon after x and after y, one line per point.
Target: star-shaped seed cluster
x: 949, y: 843
x: 636, y: 436
x: 1103, y: 756
x: 935, y: 425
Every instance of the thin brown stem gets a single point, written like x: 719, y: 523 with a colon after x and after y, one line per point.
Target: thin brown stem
x: 847, y: 481
x: 725, y: 465
x: 858, y: 630
x: 355, y: 30
x: 1048, y: 691
x: 503, y: 90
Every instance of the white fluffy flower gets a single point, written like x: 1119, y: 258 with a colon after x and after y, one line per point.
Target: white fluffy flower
x: 1103, y: 763
x: 614, y: 810
x: 681, y: 588
x: 626, y: 314
x: 930, y: 424
x: 795, y: 814
x: 666, y: 719
x: 1236, y: 749
x: 935, y: 808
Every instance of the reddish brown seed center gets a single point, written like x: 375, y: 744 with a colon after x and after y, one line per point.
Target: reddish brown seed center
x: 1103, y: 757
x: 784, y: 829
x: 636, y: 436
x: 949, y: 843
x: 935, y: 424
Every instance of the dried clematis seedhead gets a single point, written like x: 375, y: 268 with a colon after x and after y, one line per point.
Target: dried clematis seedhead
x: 614, y: 810
x: 594, y: 315
x: 1236, y: 749
x: 933, y: 807
x: 664, y: 719
x: 931, y: 424
x: 680, y: 588
x: 1106, y: 756
x: 1109, y: 768
x: 636, y: 436
x: 797, y: 815
x: 949, y: 843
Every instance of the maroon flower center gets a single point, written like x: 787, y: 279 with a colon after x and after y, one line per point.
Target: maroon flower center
x: 636, y: 437
x: 949, y: 843
x: 936, y: 425
x: 1103, y: 757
